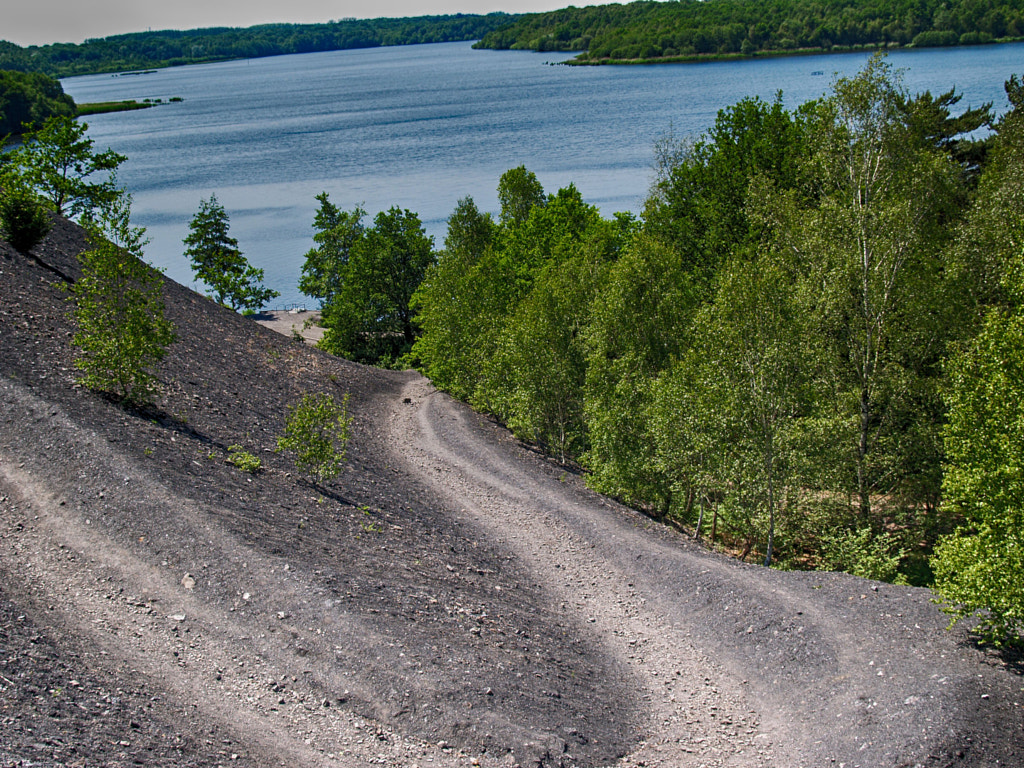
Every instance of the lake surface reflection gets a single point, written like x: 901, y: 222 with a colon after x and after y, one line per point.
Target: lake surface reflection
x: 422, y: 126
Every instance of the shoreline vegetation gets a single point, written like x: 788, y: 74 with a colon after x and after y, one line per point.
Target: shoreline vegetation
x: 29, y: 99
x: 103, y: 107
x: 709, y: 58
x: 139, y: 53
x: 646, y: 32
x: 641, y: 32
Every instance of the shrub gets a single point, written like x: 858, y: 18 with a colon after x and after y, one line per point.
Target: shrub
x: 244, y: 460
x: 23, y: 218
x: 863, y: 553
x: 935, y: 38
x: 317, y: 432
x: 119, y: 310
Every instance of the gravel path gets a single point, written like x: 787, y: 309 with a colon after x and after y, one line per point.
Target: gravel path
x: 738, y: 665
x: 452, y: 599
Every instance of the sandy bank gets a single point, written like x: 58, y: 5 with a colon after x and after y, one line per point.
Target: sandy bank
x: 291, y: 321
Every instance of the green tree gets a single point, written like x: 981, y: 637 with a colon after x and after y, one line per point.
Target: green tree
x: 979, y: 569
x: 694, y: 219
x: 29, y: 98
x: 638, y: 324
x: 448, y: 304
x: 871, y: 244
x: 518, y: 192
x: 537, y: 374
x: 992, y: 234
x: 217, y: 261
x: 371, y: 318
x: 725, y: 416
x: 335, y: 234
x: 929, y: 117
x: 698, y: 204
x: 119, y: 310
x: 317, y: 431
x: 58, y: 160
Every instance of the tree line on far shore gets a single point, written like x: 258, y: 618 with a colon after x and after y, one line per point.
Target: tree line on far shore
x: 663, y: 31
x: 165, y: 48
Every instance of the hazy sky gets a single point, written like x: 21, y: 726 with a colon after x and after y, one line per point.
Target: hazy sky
x: 38, y: 22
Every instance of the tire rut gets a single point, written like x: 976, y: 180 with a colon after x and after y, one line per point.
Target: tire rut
x: 697, y: 713
x: 737, y: 664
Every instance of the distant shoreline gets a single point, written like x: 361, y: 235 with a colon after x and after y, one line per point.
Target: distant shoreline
x: 708, y: 58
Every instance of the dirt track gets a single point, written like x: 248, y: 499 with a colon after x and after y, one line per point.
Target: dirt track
x: 451, y: 599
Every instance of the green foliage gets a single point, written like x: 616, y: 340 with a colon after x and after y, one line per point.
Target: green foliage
x: 58, y: 159
x: 655, y: 31
x: 244, y: 460
x: 335, y: 232
x: 106, y: 107
x: 698, y: 204
x: 518, y: 192
x: 930, y: 118
x: 217, y: 261
x: 872, y: 242
x: 27, y: 99
x: 164, y: 48
x: 317, y: 431
x: 992, y: 235
x: 638, y: 324
x: 450, y: 306
x: 369, y: 318
x: 536, y: 377
x: 725, y: 416
x: 768, y: 347
x: 862, y: 552
x: 119, y: 310
x: 979, y: 569
x: 695, y: 217
x: 23, y: 219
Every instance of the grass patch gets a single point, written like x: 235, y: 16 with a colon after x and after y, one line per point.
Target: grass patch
x: 102, y: 107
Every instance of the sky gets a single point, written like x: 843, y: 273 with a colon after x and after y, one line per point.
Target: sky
x: 39, y: 22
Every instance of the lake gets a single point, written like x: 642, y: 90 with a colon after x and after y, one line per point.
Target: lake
x: 420, y: 127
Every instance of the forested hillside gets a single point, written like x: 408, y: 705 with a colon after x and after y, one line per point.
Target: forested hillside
x: 803, y: 351
x: 694, y: 28
x: 28, y: 98
x: 165, y: 48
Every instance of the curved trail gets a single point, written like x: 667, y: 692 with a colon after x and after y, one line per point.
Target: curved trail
x: 738, y: 665
x: 452, y: 599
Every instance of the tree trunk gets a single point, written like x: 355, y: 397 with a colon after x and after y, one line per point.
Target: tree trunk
x: 769, y: 468
x: 863, y: 489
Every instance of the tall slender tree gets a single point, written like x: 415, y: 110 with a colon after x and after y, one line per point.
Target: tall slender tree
x: 217, y: 261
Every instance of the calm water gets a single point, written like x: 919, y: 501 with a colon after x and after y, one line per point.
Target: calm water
x: 422, y: 126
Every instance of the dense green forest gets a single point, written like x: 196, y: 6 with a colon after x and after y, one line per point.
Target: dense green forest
x: 807, y: 349
x: 29, y: 98
x: 644, y: 31
x: 165, y: 48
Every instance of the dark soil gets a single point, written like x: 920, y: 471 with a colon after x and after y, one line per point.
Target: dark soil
x: 450, y: 599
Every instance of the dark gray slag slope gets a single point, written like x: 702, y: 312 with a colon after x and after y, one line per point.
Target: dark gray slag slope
x: 370, y: 594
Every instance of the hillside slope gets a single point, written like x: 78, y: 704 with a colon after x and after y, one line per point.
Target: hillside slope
x: 450, y: 599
